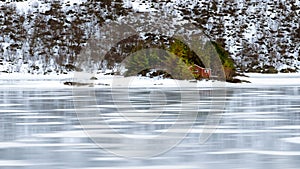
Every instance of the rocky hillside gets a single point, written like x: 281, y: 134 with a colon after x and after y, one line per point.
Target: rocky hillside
x: 41, y: 36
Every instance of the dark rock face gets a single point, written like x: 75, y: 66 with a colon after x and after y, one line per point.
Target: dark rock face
x: 78, y: 84
x: 288, y: 70
x: 93, y: 78
x: 156, y: 73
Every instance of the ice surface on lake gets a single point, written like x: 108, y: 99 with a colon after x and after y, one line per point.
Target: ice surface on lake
x: 40, y: 129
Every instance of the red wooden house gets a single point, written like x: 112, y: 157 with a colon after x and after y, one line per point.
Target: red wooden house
x: 200, y: 71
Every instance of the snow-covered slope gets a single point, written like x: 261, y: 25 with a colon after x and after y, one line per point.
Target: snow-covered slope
x: 42, y: 37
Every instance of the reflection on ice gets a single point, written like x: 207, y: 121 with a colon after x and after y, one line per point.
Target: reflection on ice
x: 17, y: 163
x: 39, y: 128
x: 295, y: 140
x: 274, y: 153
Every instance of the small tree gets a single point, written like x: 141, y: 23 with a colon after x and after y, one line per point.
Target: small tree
x: 136, y: 63
x: 177, y: 68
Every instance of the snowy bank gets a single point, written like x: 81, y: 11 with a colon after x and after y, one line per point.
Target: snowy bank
x: 258, y: 79
x: 35, y: 77
x: 101, y: 80
x: 27, y: 80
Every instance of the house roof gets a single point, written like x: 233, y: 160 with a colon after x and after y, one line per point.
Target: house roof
x: 199, y: 67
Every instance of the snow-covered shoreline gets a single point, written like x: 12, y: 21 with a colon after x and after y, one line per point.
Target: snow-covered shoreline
x: 280, y: 79
x: 27, y: 80
x: 35, y: 77
x: 54, y: 80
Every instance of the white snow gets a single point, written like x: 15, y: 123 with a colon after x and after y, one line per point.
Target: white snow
x: 283, y: 79
x: 53, y: 80
x: 24, y: 6
x: 27, y: 76
x: 26, y: 80
x: 139, y: 6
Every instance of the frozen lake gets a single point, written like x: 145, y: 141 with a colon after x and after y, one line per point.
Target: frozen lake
x: 39, y: 128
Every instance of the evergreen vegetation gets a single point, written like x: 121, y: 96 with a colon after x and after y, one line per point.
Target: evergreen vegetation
x: 227, y: 62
